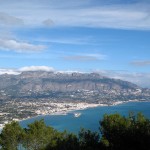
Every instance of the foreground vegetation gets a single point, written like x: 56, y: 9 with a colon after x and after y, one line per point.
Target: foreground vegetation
x: 116, y: 133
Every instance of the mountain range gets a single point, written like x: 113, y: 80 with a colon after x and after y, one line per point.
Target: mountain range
x: 90, y: 87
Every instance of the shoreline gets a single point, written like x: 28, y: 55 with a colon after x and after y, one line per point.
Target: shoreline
x: 79, y: 106
x: 59, y: 113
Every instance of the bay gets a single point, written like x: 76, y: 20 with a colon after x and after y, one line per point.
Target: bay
x: 89, y: 118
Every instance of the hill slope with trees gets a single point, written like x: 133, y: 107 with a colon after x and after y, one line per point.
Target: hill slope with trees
x: 116, y: 133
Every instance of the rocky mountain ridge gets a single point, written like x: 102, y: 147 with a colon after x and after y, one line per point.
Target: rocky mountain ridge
x: 91, y: 87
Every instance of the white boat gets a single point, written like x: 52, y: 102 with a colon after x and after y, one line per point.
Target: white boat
x: 77, y: 114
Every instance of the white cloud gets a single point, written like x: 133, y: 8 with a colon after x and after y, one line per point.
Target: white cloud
x: 26, y: 68
x: 9, y: 20
x: 17, y: 46
x: 134, y: 15
x: 9, y: 71
x: 36, y: 68
x: 109, y: 17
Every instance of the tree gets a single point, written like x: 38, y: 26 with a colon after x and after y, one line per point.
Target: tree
x: 65, y: 141
x: 130, y: 133
x: 11, y: 136
x: 88, y: 140
x: 117, y: 133
x: 38, y: 135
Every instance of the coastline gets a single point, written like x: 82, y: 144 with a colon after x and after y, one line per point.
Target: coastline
x: 78, y: 106
x: 87, y: 106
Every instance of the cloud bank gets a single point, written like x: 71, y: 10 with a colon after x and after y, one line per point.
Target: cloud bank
x: 48, y: 22
x: 141, y: 63
x: 9, y: 20
x: 141, y: 79
x: 86, y: 13
x: 36, y: 68
x: 87, y: 57
x: 9, y: 71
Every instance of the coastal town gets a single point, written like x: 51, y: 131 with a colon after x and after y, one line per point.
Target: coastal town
x: 18, y: 110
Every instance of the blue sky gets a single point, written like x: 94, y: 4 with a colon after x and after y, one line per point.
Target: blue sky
x: 111, y: 37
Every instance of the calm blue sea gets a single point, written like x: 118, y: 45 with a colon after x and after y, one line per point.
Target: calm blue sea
x: 89, y: 118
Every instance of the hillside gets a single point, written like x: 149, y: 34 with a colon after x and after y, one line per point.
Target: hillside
x: 68, y: 86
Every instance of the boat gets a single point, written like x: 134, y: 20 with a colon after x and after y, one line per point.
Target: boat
x: 77, y: 114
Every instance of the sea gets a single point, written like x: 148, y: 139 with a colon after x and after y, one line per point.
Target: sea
x: 89, y: 118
